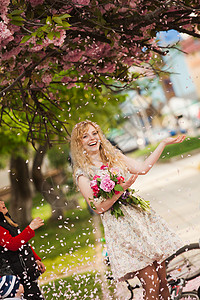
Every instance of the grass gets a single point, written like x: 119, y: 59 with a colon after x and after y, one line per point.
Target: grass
x: 80, y: 286
x: 187, y: 146
x: 64, y: 244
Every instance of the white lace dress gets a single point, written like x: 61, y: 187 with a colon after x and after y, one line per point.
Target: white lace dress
x: 136, y: 239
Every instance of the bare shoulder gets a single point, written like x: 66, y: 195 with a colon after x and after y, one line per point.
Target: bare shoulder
x: 83, y: 179
x: 84, y: 187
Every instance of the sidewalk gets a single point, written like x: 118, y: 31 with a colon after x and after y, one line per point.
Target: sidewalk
x: 174, y: 191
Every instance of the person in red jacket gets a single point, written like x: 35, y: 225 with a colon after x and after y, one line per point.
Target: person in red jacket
x: 18, y: 255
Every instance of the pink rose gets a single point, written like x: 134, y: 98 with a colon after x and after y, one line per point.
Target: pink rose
x: 106, y: 184
x: 104, y: 167
x: 120, y: 178
x: 94, y: 187
x: 93, y: 183
x: 117, y: 192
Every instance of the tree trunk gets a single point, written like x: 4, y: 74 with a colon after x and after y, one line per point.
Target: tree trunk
x: 50, y: 192
x: 21, y: 196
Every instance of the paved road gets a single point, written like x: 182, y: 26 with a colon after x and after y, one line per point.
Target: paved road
x: 174, y: 191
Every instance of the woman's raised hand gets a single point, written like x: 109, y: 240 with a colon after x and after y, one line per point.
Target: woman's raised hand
x: 171, y: 140
x: 36, y: 223
x: 129, y: 182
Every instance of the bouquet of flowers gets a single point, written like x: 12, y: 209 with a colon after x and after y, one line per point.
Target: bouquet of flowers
x: 107, y: 183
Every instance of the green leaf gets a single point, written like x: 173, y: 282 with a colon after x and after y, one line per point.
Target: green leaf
x: 118, y: 188
x: 92, y: 205
x: 17, y: 23
x: 65, y: 24
x: 48, y: 20
x: 26, y: 81
x: 16, y: 12
x: 46, y: 28
x: 50, y: 35
x: 58, y: 20
x: 17, y: 18
x: 31, y: 45
x: 25, y: 38
x: 40, y: 34
x: 57, y: 34
x: 65, y: 16
x: 39, y: 42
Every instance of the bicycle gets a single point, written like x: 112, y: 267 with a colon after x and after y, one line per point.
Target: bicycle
x: 182, y: 266
x: 176, y: 290
x: 185, y: 263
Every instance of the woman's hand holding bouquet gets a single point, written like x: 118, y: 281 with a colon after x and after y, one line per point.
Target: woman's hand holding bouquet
x: 110, y: 182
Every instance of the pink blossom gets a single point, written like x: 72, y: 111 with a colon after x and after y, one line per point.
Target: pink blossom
x: 3, y: 9
x: 133, y: 4
x: 40, y: 84
x: 12, y: 53
x: 109, y: 6
x: 104, y: 167
x: 36, y: 2
x: 93, y: 183
x: 96, y: 191
x: 81, y: 2
x: 47, y: 78
x: 107, y: 184
x: 66, y: 79
x: 70, y: 85
x: 117, y: 192
x: 120, y: 178
x: 109, y: 68
x: 5, y: 34
x: 73, y: 56
x: 58, y: 41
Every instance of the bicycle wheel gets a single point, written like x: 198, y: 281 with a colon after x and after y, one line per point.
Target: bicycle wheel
x: 185, y: 263
x: 189, y: 296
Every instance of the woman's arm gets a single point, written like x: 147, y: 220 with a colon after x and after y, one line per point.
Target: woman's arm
x: 86, y: 191
x: 14, y: 243
x: 142, y: 168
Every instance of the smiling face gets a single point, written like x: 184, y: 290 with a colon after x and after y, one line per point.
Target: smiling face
x: 3, y: 208
x: 91, y: 140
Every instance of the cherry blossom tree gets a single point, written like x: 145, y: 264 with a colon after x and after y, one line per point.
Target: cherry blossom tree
x: 45, y: 44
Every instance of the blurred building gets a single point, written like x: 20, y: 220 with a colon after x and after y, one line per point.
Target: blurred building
x: 174, y: 105
x: 191, y: 47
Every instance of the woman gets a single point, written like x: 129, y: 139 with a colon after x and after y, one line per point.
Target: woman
x: 139, y: 241
x: 18, y: 256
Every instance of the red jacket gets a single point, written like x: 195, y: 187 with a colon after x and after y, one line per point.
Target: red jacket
x: 14, y: 243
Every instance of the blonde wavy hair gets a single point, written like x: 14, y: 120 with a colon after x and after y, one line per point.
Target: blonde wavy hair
x: 80, y: 158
